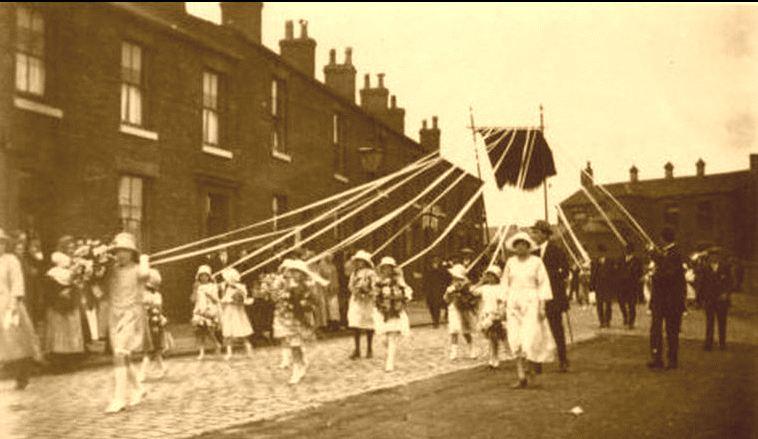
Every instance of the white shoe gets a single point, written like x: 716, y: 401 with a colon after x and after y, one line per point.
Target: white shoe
x: 298, y: 372
x: 389, y: 368
x: 472, y: 354
x: 137, y: 395
x: 115, y: 406
x: 200, y: 356
x: 453, y: 352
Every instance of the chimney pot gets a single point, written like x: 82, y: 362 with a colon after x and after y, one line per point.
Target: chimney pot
x: 349, y: 56
x: 423, y: 124
x: 434, y: 122
x: 366, y: 81
x: 289, y: 30
x: 700, y: 165
x: 332, y: 57
x: 669, y: 170
x: 393, y: 101
x: 634, y: 174
x: 304, y: 29
x: 381, y: 80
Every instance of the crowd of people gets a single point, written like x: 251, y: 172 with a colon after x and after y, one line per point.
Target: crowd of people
x: 88, y: 290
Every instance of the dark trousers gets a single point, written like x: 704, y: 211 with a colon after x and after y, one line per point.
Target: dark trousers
x: 717, y: 311
x: 628, y: 307
x: 435, y: 309
x: 604, y: 311
x: 555, y: 320
x: 673, y: 321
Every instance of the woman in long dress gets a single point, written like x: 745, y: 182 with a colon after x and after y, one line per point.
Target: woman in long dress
x: 528, y: 288
x: 64, y: 332
x: 18, y: 341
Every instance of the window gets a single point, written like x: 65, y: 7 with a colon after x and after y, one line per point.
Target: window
x: 131, y: 84
x: 210, y: 109
x: 217, y: 213
x: 30, y: 51
x: 431, y: 218
x: 278, y: 116
x: 131, y: 205
x: 705, y: 215
x: 278, y: 207
x: 338, y: 143
x: 671, y: 215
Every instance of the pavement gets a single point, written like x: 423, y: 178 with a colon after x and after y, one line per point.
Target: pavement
x: 212, y: 395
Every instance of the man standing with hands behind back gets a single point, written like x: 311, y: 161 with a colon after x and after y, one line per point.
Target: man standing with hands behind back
x: 557, y: 268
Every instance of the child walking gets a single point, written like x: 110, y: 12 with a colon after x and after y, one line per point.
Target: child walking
x: 205, y: 315
x: 390, y: 318
x: 126, y: 285
x: 295, y: 308
x: 154, y: 344
x: 235, y: 325
x: 461, y: 311
x: 492, y: 311
x: 361, y: 306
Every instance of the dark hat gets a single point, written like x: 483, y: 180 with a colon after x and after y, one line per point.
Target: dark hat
x: 543, y: 227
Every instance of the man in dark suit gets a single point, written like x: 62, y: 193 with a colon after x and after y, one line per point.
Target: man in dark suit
x: 713, y: 279
x: 630, y: 285
x: 436, y: 278
x: 667, y: 301
x: 603, y: 281
x: 557, y: 267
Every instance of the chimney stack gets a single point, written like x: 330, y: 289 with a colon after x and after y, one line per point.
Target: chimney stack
x: 341, y: 77
x: 429, y: 138
x: 634, y: 174
x: 586, y: 176
x: 299, y: 52
x: 700, y: 165
x: 669, y: 170
x: 374, y: 100
x: 245, y: 17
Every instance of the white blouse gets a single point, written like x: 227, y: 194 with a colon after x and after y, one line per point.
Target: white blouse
x: 526, y: 276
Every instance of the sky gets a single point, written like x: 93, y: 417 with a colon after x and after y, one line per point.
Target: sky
x: 620, y: 84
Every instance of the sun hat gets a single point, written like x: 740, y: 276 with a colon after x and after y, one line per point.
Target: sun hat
x: 458, y: 271
x: 517, y: 237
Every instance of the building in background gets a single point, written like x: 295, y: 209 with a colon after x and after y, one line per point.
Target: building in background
x: 703, y: 209
x: 141, y: 117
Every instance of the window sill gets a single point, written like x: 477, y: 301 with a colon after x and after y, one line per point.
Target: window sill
x: 37, y: 107
x: 281, y: 156
x: 218, y: 152
x: 138, y: 132
x: 342, y: 178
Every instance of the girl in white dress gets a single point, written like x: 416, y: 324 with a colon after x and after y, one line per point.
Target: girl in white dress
x: 528, y: 288
x: 392, y: 296
x: 462, y: 304
x: 205, y: 315
x: 492, y: 311
x: 235, y: 325
x: 360, y: 310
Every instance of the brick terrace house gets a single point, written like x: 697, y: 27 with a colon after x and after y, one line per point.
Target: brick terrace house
x: 704, y: 209
x: 139, y: 116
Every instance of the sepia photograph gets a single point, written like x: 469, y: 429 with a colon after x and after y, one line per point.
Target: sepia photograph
x: 239, y: 220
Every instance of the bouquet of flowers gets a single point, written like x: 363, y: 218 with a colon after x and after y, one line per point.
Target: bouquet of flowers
x: 462, y: 296
x: 390, y: 298
x: 297, y: 301
x: 362, y: 284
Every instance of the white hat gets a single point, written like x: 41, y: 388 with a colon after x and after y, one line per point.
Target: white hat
x: 60, y: 275
x: 124, y: 241
x: 363, y: 255
x: 458, y: 271
x: 388, y: 260
x: 494, y: 269
x: 520, y: 236
x: 203, y: 269
x: 285, y: 265
x: 154, y: 279
x: 60, y: 259
x: 230, y: 275
x: 301, y: 266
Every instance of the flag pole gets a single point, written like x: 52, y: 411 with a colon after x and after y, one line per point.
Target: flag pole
x: 478, y: 171
x: 544, y: 182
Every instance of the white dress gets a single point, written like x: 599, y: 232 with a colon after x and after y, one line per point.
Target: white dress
x: 459, y: 322
x: 234, y: 320
x: 17, y: 337
x: 527, y: 285
x: 493, y: 298
x: 360, y: 310
x: 399, y: 324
